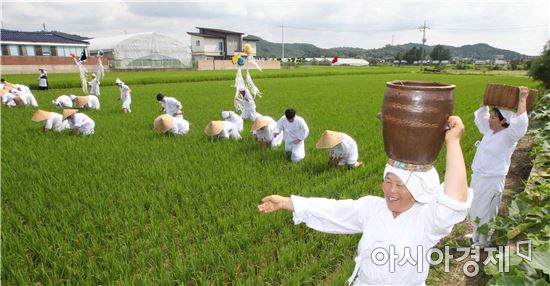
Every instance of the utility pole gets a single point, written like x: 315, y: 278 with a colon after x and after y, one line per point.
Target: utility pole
x: 392, y: 40
x: 282, y: 43
x: 423, y: 30
x: 44, y: 27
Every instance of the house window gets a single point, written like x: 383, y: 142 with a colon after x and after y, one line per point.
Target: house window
x: 46, y: 51
x: 22, y: 51
x: 198, y: 43
x: 54, y: 51
x: 14, y: 50
x: 38, y: 50
x: 30, y: 50
x: 5, y: 51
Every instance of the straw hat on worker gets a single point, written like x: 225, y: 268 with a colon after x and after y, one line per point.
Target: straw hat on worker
x: 87, y: 102
x: 264, y: 130
x: 80, y: 123
x: 52, y: 120
x: 343, y: 149
x: 168, y: 123
x: 222, y: 130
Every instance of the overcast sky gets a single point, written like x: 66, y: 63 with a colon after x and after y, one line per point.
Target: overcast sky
x: 520, y: 25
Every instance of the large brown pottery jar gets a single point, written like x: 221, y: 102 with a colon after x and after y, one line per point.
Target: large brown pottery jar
x: 507, y: 96
x: 414, y: 120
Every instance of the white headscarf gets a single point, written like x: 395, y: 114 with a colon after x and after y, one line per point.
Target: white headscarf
x: 422, y: 185
x: 507, y: 114
x: 225, y: 114
x: 118, y: 81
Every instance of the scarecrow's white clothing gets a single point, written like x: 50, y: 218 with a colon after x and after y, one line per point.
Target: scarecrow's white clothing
x: 181, y: 126
x: 347, y: 150
x: 229, y: 131
x: 296, y: 130
x: 84, y: 123
x: 170, y: 105
x: 249, y: 107
x: 93, y: 102
x: 56, y: 122
x: 94, y: 87
x: 490, y: 166
x: 63, y: 101
x: 125, y: 96
x: 266, y: 134
x: 413, y: 232
x: 233, y: 118
x: 43, y: 80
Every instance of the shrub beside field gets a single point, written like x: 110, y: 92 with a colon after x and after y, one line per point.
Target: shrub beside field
x: 130, y: 206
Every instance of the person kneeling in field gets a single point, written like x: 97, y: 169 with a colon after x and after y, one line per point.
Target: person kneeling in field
x: 11, y: 100
x: 414, y: 215
x: 233, y: 118
x: 175, y: 124
x: 222, y: 130
x: 80, y: 123
x: 52, y: 120
x: 87, y: 102
x: 295, y: 132
x: 25, y: 94
x: 64, y: 101
x: 169, y: 105
x: 343, y: 149
x: 264, y: 129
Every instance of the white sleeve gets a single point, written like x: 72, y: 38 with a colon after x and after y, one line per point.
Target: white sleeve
x: 279, y: 126
x: 49, y: 123
x: 518, y: 126
x: 305, y: 131
x: 443, y: 212
x: 481, y: 118
x: 332, y: 216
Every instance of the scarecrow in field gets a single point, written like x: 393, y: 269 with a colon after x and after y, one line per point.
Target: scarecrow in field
x: 64, y: 101
x: 80, y: 123
x: 264, y: 130
x: 242, y: 60
x: 125, y: 95
x: 94, y: 85
x: 414, y: 215
x: 343, y: 149
x: 172, y: 124
x: 169, y: 104
x: 52, y: 120
x: 501, y: 129
x: 43, y: 79
x: 233, y: 118
x: 295, y: 133
x: 81, y: 69
x: 222, y: 130
x: 249, y: 105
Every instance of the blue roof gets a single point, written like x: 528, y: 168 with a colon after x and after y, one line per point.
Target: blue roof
x: 38, y: 37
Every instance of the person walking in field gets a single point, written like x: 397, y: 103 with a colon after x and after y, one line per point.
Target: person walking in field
x: 80, y: 123
x: 343, y: 149
x: 170, y: 105
x: 43, y: 79
x: 222, y: 130
x: 501, y: 129
x: 94, y: 86
x: 264, y: 130
x: 87, y: 102
x: 233, y: 118
x: 125, y: 96
x: 172, y: 124
x: 52, y: 120
x: 415, y: 213
x: 249, y: 105
x: 63, y: 101
x: 295, y: 133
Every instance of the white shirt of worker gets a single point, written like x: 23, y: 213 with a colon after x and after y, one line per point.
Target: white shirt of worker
x: 93, y: 102
x: 490, y: 166
x: 266, y: 134
x: 94, y: 87
x: 347, y: 150
x: 63, y: 101
x: 413, y: 232
x: 56, y: 122
x: 7, y: 99
x: 249, y: 107
x: 26, y: 95
x: 296, y: 130
x: 170, y: 105
x: 233, y: 118
x: 181, y: 126
x: 84, y: 123
x: 43, y: 80
x: 125, y: 96
x: 229, y: 131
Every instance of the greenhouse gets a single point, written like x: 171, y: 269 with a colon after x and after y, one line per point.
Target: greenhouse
x: 143, y: 51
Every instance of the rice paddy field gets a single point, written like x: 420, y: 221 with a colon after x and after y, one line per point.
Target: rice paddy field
x: 130, y: 206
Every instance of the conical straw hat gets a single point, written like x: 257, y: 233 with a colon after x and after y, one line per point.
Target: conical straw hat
x: 3, y: 91
x: 329, y: 139
x: 213, y: 128
x: 259, y: 123
x: 81, y: 101
x: 40, y: 115
x: 164, y: 123
x: 69, y: 112
x: 18, y: 100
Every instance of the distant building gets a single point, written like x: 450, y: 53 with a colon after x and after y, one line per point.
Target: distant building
x: 217, y: 44
x: 25, y: 52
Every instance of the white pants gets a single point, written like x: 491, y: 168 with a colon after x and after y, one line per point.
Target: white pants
x: 298, y: 151
x: 486, y: 202
x: 126, y: 101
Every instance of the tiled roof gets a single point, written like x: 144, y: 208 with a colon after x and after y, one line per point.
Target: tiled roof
x: 37, y: 37
x: 205, y: 35
x: 219, y: 31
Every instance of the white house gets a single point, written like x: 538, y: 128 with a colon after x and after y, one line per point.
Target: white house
x: 217, y: 44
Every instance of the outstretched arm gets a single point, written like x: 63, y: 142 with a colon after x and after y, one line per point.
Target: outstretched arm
x: 522, y: 102
x: 274, y: 203
x: 456, y: 184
